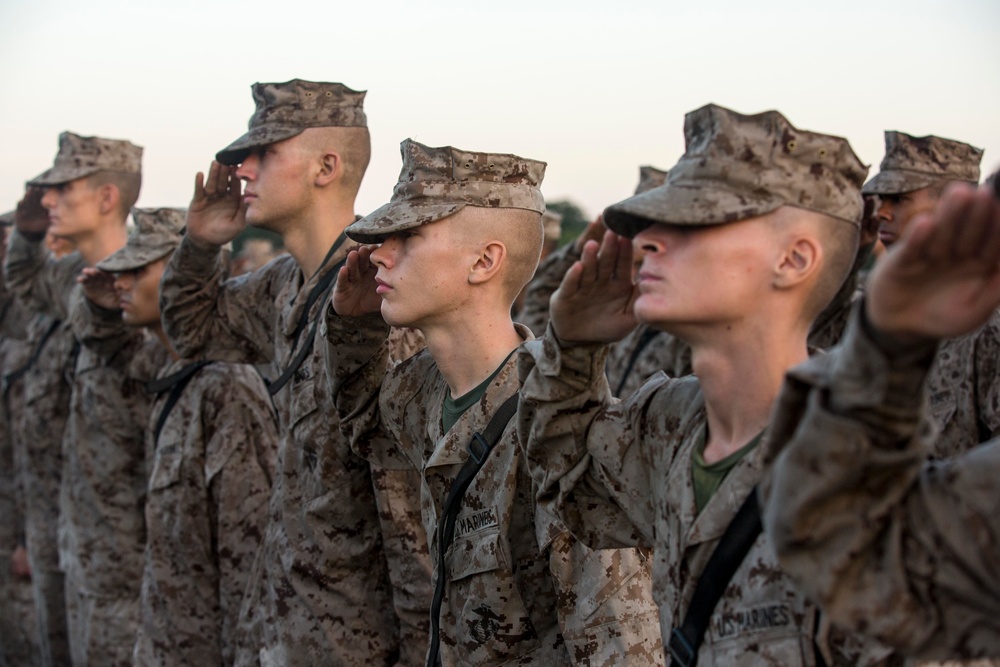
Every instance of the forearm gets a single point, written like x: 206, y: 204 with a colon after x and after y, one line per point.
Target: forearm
x: 578, y: 444
x: 857, y: 517
x: 207, y: 316
x: 102, y: 330
x: 41, y: 282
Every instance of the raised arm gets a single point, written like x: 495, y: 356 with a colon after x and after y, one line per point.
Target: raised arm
x: 204, y: 314
x: 889, y: 544
x: 583, y: 449
x: 42, y: 282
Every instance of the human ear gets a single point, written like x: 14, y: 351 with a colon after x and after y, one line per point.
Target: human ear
x: 108, y: 197
x: 488, y: 262
x: 799, y: 260
x: 331, y: 167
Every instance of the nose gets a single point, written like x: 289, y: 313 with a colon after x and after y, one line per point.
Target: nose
x: 382, y: 255
x: 247, y: 170
x: 49, y: 197
x: 885, y: 211
x: 123, y: 282
x: 644, y: 242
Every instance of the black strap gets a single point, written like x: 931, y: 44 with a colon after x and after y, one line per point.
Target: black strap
x: 479, y: 450
x: 176, y: 383
x: 15, y: 375
x: 319, y: 291
x: 645, y: 338
x: 729, y: 554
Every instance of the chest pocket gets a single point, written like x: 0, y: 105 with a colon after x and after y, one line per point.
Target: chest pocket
x: 484, y: 617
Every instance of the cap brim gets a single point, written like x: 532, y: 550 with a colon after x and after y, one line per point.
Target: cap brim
x: 689, y: 205
x: 131, y: 258
x: 897, y: 182
x: 61, y: 174
x: 264, y: 135
x: 399, y: 216
x: 7, y: 219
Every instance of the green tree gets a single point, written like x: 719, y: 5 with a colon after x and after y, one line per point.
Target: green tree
x: 573, y: 219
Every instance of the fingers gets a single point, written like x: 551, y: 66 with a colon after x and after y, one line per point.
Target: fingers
x: 199, y: 187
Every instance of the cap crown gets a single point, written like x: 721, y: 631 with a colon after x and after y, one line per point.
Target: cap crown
x: 287, y: 109
x: 437, y: 182
x: 157, y: 232
x: 912, y: 163
x: 305, y: 104
x: 738, y: 166
x: 649, y: 178
x: 82, y: 156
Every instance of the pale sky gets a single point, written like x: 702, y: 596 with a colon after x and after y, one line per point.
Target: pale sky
x: 593, y: 88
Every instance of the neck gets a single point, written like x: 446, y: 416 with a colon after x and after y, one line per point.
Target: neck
x: 157, y: 330
x: 467, y: 355
x: 97, y: 245
x: 309, y: 241
x: 740, y: 377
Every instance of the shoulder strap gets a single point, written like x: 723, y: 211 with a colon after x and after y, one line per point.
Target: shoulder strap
x: 645, y: 338
x: 176, y: 383
x: 15, y: 375
x: 479, y: 450
x: 320, y: 291
x: 729, y: 554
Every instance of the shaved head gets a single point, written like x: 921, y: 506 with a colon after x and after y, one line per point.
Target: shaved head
x: 352, y: 144
x: 521, y: 233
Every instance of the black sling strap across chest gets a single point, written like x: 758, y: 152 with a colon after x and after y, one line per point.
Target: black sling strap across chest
x: 175, y: 383
x: 727, y: 557
x: 479, y: 450
x: 319, y: 291
x: 645, y: 338
x: 15, y: 375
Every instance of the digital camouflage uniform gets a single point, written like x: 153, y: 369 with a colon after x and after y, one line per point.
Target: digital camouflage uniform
x: 102, y: 531
x: 619, y: 473
x: 888, y: 543
x: 45, y: 379
x: 963, y: 385
x: 209, y: 481
x: 520, y: 590
x: 18, y: 644
x: 321, y: 592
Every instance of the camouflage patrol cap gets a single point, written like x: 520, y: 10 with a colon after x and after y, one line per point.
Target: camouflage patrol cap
x: 552, y: 225
x: 912, y: 163
x: 287, y: 109
x: 157, y: 232
x: 82, y: 156
x: 649, y: 178
x: 736, y: 167
x: 437, y: 182
x: 7, y: 219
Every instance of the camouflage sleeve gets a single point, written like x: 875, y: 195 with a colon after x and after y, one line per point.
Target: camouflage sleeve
x: 356, y: 353
x: 988, y: 378
x: 241, y: 437
x: 207, y: 316
x: 102, y: 330
x: 582, y: 447
x: 548, y: 276
x: 42, y: 282
x: 889, y: 545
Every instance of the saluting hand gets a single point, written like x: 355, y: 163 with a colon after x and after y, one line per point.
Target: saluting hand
x: 99, y: 287
x: 942, y: 279
x: 216, y: 214
x: 354, y: 293
x: 31, y: 217
x: 595, y: 301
